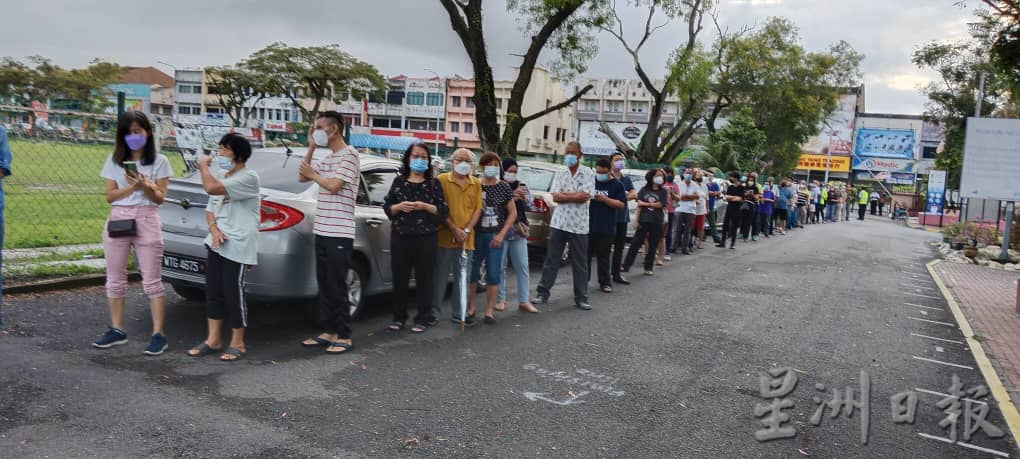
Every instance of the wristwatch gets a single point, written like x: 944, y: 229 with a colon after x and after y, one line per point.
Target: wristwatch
x: 467, y: 230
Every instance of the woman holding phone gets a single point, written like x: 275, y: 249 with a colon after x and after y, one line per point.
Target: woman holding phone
x: 136, y: 180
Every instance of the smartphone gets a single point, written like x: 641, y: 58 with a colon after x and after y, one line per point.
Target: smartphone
x: 131, y: 168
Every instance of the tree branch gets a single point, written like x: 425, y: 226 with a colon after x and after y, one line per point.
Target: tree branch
x: 538, y: 41
x: 558, y: 106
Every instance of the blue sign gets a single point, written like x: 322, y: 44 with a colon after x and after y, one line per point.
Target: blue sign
x: 885, y: 143
x: 936, y: 192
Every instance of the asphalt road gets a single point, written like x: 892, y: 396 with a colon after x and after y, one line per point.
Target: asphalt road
x: 667, y: 367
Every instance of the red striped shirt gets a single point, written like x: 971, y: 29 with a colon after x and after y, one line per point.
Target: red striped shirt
x: 334, y: 214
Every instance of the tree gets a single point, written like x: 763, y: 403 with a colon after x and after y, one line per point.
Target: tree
x: 88, y: 87
x: 740, y: 139
x: 16, y: 80
x: 83, y: 89
x: 564, y: 25
x: 237, y: 87
x: 788, y: 90
x: 318, y: 72
x: 687, y: 75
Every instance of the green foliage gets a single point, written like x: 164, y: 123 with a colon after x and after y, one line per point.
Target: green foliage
x: 237, y: 87
x: 740, y: 145
x: 574, y: 41
x: 321, y: 72
x: 83, y: 89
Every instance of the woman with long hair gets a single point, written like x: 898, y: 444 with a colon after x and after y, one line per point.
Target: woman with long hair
x: 516, y: 242
x: 651, y: 202
x: 416, y: 207
x: 136, y: 180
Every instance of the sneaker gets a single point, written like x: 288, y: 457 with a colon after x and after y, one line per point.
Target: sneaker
x: 583, y: 305
x: 157, y: 344
x: 541, y: 299
x: 432, y: 322
x: 668, y: 258
x: 649, y: 273
x: 754, y: 238
x: 112, y: 337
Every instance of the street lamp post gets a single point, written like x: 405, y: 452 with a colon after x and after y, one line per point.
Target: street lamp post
x: 438, y: 113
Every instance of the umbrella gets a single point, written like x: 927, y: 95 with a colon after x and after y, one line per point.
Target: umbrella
x: 463, y: 286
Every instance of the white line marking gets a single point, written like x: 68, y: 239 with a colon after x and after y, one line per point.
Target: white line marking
x: 944, y: 363
x: 965, y: 445
x: 933, y: 321
x: 923, y: 312
x: 940, y: 394
x: 917, y: 286
x: 922, y: 296
x: 936, y: 339
x: 925, y: 307
x: 939, y: 349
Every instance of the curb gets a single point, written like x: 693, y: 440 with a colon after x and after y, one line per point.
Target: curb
x: 64, y: 283
x: 1006, y: 406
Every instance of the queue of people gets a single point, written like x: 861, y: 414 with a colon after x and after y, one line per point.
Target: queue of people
x: 454, y: 223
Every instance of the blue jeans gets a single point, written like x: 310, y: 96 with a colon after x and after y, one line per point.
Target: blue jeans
x: 791, y: 217
x: 517, y: 252
x: 493, y: 259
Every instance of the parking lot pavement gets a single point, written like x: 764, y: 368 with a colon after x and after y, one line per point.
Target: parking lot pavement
x: 666, y: 367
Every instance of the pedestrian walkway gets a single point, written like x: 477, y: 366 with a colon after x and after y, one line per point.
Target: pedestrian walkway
x: 987, y: 299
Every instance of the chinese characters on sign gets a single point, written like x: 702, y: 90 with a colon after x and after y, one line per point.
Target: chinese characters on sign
x: 779, y: 383
x: 817, y: 163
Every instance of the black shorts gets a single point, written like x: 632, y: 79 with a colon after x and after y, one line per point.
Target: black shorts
x: 779, y: 213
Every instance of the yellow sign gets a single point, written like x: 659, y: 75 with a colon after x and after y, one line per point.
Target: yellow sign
x: 817, y: 163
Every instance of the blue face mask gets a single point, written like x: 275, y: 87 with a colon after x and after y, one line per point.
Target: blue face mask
x: 602, y: 177
x: 687, y: 177
x: 743, y: 178
x: 491, y: 171
x: 419, y: 165
x: 570, y: 160
x: 224, y: 163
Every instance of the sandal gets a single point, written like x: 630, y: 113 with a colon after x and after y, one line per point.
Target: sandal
x: 316, y: 342
x: 500, y: 306
x: 395, y: 326
x: 607, y: 289
x: 344, y: 347
x: 419, y: 328
x: 490, y: 320
x: 234, y: 353
x: 528, y: 307
x: 202, y: 349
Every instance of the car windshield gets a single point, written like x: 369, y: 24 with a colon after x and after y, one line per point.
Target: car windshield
x: 536, y: 179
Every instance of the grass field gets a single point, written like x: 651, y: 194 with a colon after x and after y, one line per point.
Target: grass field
x: 55, y: 195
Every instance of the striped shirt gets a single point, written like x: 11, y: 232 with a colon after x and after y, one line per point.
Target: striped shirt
x: 334, y: 215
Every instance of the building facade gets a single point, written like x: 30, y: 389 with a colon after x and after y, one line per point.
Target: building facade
x: 624, y: 105
x: 413, y: 109
x: 893, y: 148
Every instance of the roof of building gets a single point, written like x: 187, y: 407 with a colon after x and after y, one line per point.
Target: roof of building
x: 147, y: 75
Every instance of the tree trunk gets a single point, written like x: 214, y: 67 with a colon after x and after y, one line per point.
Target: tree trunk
x: 620, y: 143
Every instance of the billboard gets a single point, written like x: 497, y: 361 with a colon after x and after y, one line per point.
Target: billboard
x: 991, y: 159
x: 936, y: 192
x: 884, y: 164
x: 595, y: 142
x: 817, y: 163
x: 885, y: 143
x: 835, y: 134
x: 891, y: 178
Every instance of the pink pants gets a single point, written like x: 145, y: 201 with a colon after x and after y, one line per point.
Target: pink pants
x: 148, y: 244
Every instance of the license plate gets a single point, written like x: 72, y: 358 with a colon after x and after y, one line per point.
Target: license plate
x: 183, y: 263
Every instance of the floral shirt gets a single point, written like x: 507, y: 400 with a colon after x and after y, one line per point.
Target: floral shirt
x: 418, y: 222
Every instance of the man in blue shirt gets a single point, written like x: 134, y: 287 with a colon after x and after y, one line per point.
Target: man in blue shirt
x: 5, y: 170
x: 605, y: 207
x: 622, y: 216
x: 781, y: 214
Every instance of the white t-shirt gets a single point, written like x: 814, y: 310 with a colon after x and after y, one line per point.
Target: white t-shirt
x: 687, y: 207
x: 701, y: 207
x: 159, y: 169
x: 237, y: 216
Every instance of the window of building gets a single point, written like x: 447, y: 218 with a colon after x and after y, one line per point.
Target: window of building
x: 548, y: 103
x: 454, y: 126
x: 455, y: 101
x: 214, y: 110
x: 499, y: 104
x: 196, y: 89
x: 470, y: 102
x: 184, y: 89
x: 418, y: 125
x: 545, y: 132
x: 380, y: 122
x: 614, y: 106
x: 395, y: 97
x: 929, y: 152
x: 279, y: 115
x: 468, y: 128
x: 434, y: 99
x: 415, y: 98
x: 591, y: 105
x: 262, y: 113
x: 396, y: 124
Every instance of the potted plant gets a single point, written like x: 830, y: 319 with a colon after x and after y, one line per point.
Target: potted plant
x: 950, y: 233
x: 974, y: 234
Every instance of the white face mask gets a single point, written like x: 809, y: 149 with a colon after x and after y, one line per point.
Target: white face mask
x: 462, y: 168
x: 658, y: 180
x: 510, y: 176
x: 320, y: 138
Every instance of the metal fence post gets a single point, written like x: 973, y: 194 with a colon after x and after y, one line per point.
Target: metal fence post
x: 121, y: 102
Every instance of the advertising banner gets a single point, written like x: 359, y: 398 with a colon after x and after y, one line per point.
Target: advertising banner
x: 991, y: 159
x: 885, y: 143
x: 817, y: 163
x: 936, y: 192
x: 891, y: 178
x: 595, y: 142
x: 884, y: 164
x: 835, y: 134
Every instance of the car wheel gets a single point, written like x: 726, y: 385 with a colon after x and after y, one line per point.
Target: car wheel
x: 357, y: 275
x: 189, y: 292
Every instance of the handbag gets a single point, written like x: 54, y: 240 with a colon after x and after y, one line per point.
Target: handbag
x: 122, y: 228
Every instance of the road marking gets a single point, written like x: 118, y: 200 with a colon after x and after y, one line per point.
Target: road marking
x: 925, y: 307
x: 936, y: 339
x: 940, y: 349
x: 965, y: 445
x: 923, y: 312
x: 944, y: 363
x: 913, y: 274
x: 917, y: 286
x: 920, y: 295
x: 940, y: 394
x: 933, y: 321
x: 573, y: 400
x: 1006, y: 406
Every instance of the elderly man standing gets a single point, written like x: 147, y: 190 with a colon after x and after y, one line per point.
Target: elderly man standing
x: 572, y: 189
x: 463, y: 194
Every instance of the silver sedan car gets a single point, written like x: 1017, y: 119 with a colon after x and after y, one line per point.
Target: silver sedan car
x: 286, y: 268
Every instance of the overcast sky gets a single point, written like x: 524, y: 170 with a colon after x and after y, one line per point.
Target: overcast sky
x: 407, y: 36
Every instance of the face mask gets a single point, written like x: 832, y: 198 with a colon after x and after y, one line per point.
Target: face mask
x: 743, y: 178
x: 751, y: 181
x: 135, y: 141
x: 320, y: 138
x: 618, y: 165
x: 687, y: 177
x: 602, y: 177
x: 462, y: 168
x: 224, y: 163
x: 419, y: 165
x: 510, y: 176
x: 491, y: 171
x: 570, y: 160
x: 657, y: 180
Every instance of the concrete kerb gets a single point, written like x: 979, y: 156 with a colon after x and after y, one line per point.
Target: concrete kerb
x: 1006, y: 406
x: 64, y: 283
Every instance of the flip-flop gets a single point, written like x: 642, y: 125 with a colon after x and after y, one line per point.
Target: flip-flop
x: 419, y: 328
x: 340, y: 344
x: 318, y: 342
x: 233, y: 351
x: 203, y: 350
x: 395, y: 326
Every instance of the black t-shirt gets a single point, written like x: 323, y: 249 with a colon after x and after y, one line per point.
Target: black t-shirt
x: 603, y: 217
x: 734, y: 190
x: 494, y: 213
x: 648, y: 214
